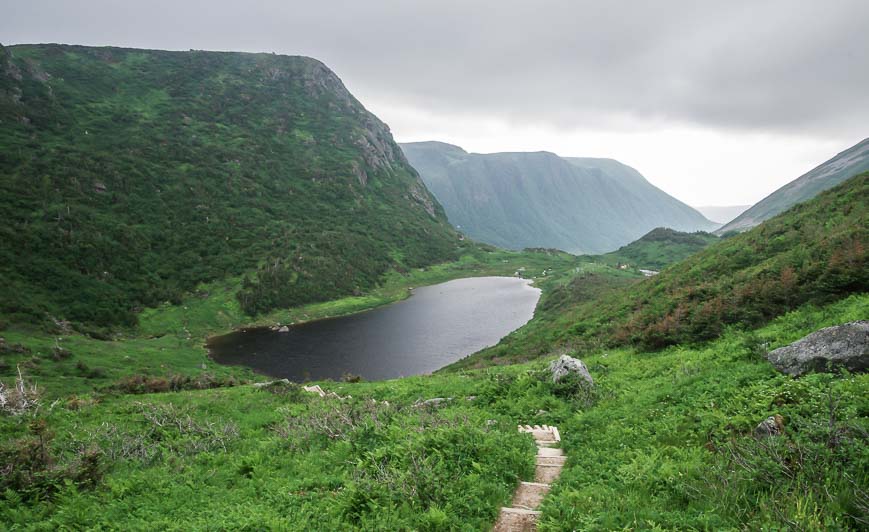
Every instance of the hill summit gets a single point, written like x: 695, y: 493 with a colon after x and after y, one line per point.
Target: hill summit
x: 131, y: 176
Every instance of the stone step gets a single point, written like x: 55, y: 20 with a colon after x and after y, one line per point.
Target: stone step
x: 542, y: 433
x: 549, y: 451
x: 529, y: 495
x: 546, y: 473
x: 516, y: 520
x: 551, y: 460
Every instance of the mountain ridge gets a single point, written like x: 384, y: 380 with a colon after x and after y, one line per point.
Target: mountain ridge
x: 828, y: 174
x: 538, y: 199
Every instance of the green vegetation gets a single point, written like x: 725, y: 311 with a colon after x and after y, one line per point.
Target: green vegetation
x: 659, y: 248
x: 665, y: 441
x: 129, y: 177
x: 813, y: 253
x: 168, y: 344
x: 134, y: 428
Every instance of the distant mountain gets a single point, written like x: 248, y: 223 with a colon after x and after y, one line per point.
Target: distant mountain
x: 660, y: 248
x: 519, y: 200
x: 722, y: 214
x: 128, y: 177
x: 838, y: 169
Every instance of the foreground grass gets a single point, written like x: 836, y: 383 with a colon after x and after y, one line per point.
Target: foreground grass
x: 664, y: 442
x: 668, y: 444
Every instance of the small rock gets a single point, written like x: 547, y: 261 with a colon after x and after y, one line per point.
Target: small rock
x: 270, y: 383
x: 839, y: 346
x: 771, y: 426
x: 566, y: 365
x: 284, y: 329
x: 434, y: 402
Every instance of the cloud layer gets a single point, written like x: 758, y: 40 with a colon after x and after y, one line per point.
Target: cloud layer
x: 769, y: 67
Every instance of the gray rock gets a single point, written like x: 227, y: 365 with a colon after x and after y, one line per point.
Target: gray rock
x: 434, y: 402
x: 284, y: 329
x: 771, y: 426
x: 566, y: 365
x: 840, y: 346
x: 270, y: 383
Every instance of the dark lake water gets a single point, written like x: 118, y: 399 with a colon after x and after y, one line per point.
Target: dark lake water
x: 436, y: 326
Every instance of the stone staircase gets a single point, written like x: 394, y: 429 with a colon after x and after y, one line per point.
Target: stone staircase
x: 522, y: 515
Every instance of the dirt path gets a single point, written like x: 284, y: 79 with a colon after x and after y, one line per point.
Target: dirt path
x: 522, y: 515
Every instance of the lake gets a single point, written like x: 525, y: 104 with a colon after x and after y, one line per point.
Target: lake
x: 436, y: 326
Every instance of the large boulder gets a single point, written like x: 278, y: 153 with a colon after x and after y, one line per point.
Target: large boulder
x: 567, y: 365
x: 845, y: 346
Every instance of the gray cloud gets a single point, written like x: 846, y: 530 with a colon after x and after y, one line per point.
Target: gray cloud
x: 775, y: 65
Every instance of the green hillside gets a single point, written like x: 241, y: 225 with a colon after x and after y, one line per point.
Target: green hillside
x: 664, y: 441
x: 659, y: 248
x: 541, y: 200
x: 128, y: 177
x: 814, y: 253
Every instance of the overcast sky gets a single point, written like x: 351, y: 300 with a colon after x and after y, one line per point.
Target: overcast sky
x: 718, y: 103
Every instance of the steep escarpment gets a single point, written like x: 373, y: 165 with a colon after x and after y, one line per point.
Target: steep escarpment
x: 130, y: 176
x: 519, y: 200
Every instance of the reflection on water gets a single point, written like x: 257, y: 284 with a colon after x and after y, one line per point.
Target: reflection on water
x: 435, y: 327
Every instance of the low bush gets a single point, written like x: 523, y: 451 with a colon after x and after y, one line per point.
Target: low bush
x: 139, y: 384
x: 20, y: 398
x: 34, y: 470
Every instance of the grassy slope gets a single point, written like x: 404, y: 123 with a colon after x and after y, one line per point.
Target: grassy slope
x: 815, y: 252
x: 129, y: 177
x: 652, y: 449
x: 664, y: 442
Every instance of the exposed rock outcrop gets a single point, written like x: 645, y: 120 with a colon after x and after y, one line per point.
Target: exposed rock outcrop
x: 771, y: 426
x: 567, y: 365
x: 841, y: 346
x: 435, y: 402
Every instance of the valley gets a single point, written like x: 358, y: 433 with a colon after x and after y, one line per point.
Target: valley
x: 381, y: 317
x: 581, y: 205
